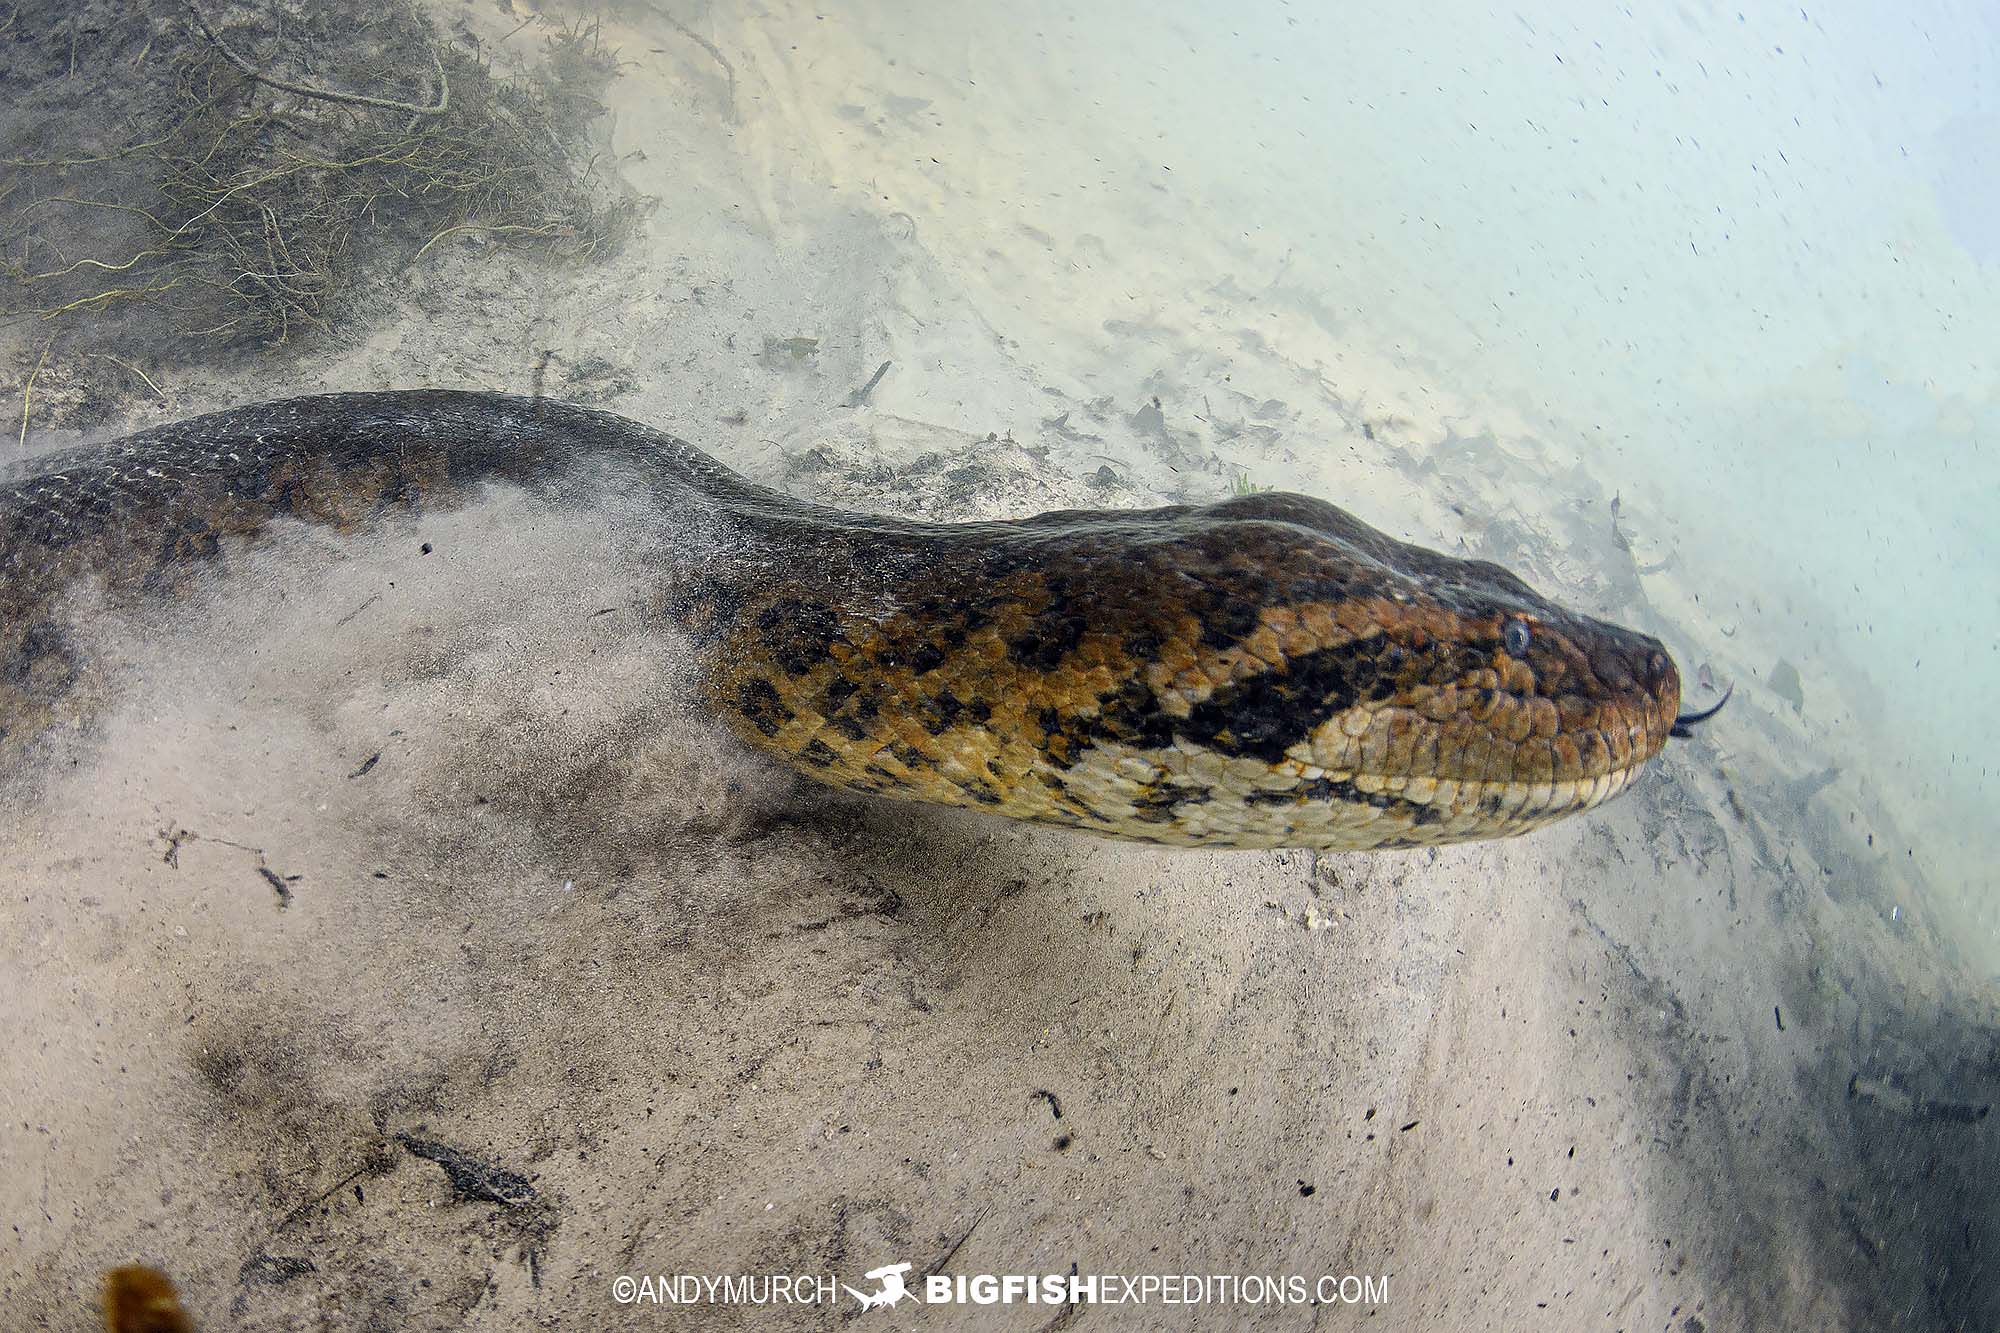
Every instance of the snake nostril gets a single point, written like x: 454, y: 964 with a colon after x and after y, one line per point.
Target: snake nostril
x: 1657, y: 666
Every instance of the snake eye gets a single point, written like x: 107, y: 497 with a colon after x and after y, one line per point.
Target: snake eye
x: 1515, y: 638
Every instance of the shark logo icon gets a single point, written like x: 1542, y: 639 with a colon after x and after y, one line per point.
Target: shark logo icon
x: 892, y: 1290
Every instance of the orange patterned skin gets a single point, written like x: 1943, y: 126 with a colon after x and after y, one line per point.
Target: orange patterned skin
x: 138, y: 1299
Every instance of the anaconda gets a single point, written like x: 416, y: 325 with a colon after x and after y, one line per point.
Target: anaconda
x: 1266, y: 671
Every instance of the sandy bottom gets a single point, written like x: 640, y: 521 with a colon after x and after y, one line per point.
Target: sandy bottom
x: 405, y: 951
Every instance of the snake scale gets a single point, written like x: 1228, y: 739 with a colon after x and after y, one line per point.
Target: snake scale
x: 1266, y: 671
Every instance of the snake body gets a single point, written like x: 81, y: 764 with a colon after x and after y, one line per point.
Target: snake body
x: 1265, y: 671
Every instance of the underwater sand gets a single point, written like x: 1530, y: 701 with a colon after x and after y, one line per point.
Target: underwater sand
x: 1706, y: 1058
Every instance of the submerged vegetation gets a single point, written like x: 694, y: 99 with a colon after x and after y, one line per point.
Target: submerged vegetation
x: 246, y: 175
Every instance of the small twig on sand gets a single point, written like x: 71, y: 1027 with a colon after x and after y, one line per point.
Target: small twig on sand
x: 178, y: 838
x: 327, y: 94
x: 357, y: 610
x: 278, y: 885
x: 28, y: 394
x: 860, y: 395
x: 492, y: 228
x: 959, y: 1244
x: 728, y: 70
x: 372, y: 1166
x: 106, y: 356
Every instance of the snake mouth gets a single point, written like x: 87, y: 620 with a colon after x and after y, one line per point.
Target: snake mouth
x: 1502, y: 762
x: 1425, y: 799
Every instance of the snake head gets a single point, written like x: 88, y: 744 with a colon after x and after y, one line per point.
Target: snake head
x: 1398, y: 696
x: 1265, y: 672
